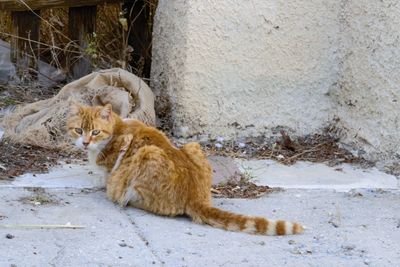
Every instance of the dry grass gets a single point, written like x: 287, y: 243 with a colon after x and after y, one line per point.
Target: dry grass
x: 319, y: 148
x: 239, y: 185
x: 107, y: 48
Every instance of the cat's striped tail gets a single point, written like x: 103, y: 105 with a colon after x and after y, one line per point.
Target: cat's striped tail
x: 241, y: 223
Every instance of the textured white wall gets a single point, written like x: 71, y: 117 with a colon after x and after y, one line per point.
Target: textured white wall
x: 240, y: 68
x: 368, y: 96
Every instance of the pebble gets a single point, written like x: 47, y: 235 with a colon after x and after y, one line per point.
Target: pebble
x: 218, y: 145
x: 9, y: 236
x: 242, y: 145
x: 220, y: 139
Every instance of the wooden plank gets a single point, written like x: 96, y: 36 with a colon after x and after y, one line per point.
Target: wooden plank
x: 24, y: 53
x: 140, y: 36
x: 82, y: 23
x: 13, y: 5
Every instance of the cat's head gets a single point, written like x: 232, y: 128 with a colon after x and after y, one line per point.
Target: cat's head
x: 91, y: 128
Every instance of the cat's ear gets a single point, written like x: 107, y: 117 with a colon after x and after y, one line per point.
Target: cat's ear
x: 74, y: 109
x: 105, y: 112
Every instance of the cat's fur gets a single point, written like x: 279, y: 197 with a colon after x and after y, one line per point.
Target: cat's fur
x: 148, y: 172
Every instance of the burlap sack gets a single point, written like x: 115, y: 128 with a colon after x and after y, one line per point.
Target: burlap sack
x: 43, y: 123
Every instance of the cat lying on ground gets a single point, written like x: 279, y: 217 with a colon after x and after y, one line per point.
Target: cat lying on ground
x: 145, y: 170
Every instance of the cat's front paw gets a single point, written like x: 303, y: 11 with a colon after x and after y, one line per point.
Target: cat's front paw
x: 130, y: 195
x: 110, y: 194
x: 113, y: 193
x: 124, y: 199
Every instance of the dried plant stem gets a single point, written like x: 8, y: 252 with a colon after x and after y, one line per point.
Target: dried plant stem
x: 305, y: 151
x: 43, y: 44
x: 41, y: 226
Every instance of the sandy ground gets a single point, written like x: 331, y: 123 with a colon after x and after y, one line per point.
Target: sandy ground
x: 352, y: 221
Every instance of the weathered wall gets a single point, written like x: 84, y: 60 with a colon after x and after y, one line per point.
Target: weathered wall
x: 369, y: 94
x: 240, y: 68
x: 243, y: 68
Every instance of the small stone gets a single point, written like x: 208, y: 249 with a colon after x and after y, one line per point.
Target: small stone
x: 220, y: 139
x: 291, y: 242
x: 367, y: 261
x: 333, y: 223
x: 122, y: 245
x: 9, y: 236
x: 262, y: 243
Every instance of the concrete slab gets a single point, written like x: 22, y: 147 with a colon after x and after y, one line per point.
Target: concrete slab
x: 108, y: 239
x: 223, y: 168
x: 309, y: 175
x: 302, y: 175
x: 341, y: 232
x: 62, y: 176
x: 355, y: 228
x: 344, y: 229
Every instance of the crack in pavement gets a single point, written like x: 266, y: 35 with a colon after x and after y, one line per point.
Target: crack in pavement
x: 143, y: 238
x: 60, y: 253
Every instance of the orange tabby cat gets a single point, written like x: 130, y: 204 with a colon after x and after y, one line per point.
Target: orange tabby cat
x: 145, y: 170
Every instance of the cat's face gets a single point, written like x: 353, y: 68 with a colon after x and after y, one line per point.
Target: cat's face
x: 91, y: 128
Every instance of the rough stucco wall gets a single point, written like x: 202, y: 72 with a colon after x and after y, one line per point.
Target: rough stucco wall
x: 247, y: 68
x: 169, y: 54
x: 369, y: 94
x: 233, y: 69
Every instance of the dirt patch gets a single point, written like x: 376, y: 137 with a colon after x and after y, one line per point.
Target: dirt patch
x: 240, y: 186
x: 321, y: 148
x: 18, y: 159
x: 39, y: 197
x: 11, y: 95
x: 393, y: 168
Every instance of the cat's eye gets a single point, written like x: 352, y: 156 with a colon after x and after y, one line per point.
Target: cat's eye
x: 95, y: 132
x: 78, y: 130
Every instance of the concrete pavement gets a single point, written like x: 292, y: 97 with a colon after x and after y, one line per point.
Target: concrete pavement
x: 346, y: 227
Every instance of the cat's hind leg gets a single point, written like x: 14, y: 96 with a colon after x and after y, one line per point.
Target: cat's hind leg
x: 150, y: 183
x: 143, y: 168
